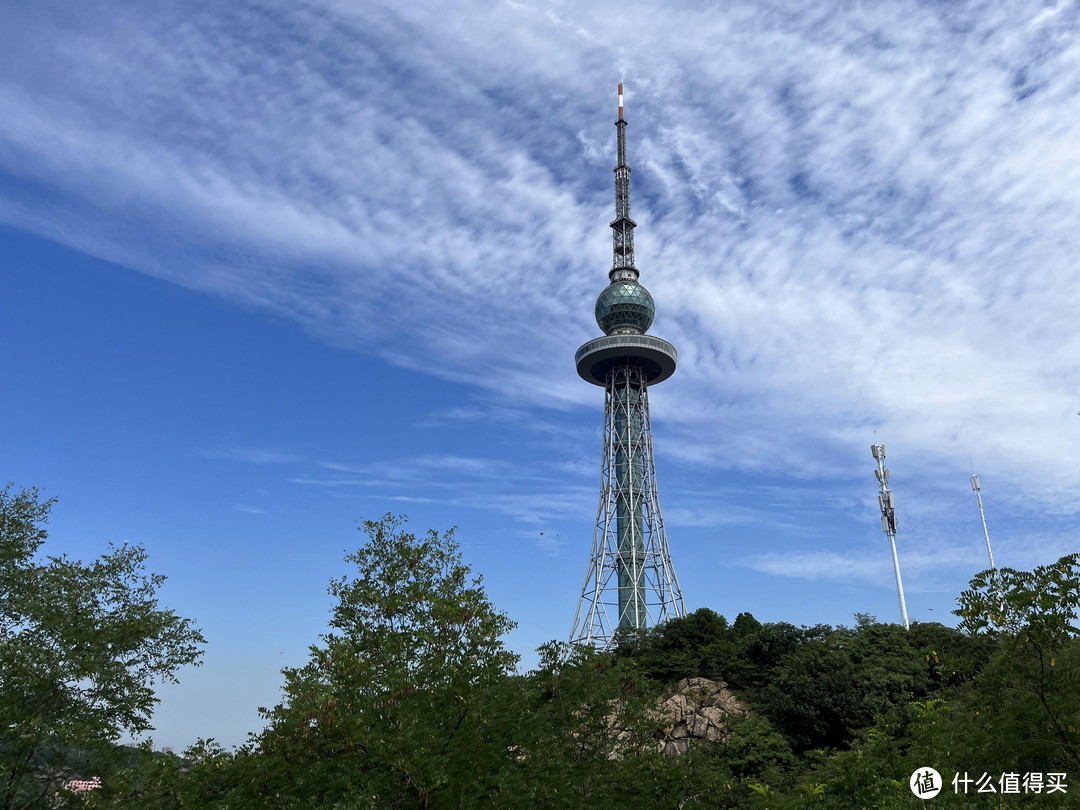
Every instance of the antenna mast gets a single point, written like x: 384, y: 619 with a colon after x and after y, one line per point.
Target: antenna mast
x: 986, y: 531
x: 888, y: 522
x: 622, y: 227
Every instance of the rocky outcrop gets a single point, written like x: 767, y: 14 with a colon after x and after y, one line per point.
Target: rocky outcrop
x: 699, y: 709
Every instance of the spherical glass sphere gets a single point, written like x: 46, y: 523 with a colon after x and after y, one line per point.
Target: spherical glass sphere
x: 625, y: 304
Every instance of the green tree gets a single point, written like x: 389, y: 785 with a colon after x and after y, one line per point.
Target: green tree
x: 81, y: 647
x: 697, y: 645
x: 585, y: 735
x: 827, y: 690
x: 770, y: 644
x: 394, y: 707
x: 1033, y: 682
x: 714, y: 775
x: 745, y: 625
x: 204, y: 776
x: 952, y: 657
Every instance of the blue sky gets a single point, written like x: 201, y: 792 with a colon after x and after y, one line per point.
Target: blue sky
x: 269, y: 268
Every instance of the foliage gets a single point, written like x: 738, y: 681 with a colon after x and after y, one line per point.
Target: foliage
x: 1010, y: 702
x: 411, y: 701
x: 704, y: 645
x: 1037, y: 607
x: 143, y: 779
x: 757, y: 750
x: 81, y: 646
x: 698, y: 645
x: 584, y: 734
x: 395, y: 704
x: 952, y: 658
x: 1033, y: 681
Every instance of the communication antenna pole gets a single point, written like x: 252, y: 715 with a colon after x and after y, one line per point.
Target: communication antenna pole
x: 986, y: 533
x: 888, y: 522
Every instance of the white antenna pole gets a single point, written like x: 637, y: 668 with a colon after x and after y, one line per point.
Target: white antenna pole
x: 986, y: 533
x: 982, y: 514
x: 888, y: 522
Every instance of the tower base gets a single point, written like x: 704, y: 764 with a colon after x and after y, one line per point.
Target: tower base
x: 630, y: 583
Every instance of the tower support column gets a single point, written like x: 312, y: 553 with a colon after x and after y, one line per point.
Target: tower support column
x: 625, y: 390
x: 629, y: 540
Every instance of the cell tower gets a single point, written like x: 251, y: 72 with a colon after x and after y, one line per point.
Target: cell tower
x: 630, y: 583
x: 982, y: 514
x: 888, y: 522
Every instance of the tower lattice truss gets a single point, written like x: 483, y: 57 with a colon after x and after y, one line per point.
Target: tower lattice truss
x: 630, y: 583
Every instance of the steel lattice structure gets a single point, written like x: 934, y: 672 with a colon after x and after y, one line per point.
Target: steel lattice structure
x: 630, y: 583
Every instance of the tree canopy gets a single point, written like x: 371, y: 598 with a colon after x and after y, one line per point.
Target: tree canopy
x: 395, y: 701
x: 81, y: 647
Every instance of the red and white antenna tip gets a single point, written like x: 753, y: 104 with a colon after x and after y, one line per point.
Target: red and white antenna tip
x: 620, y: 102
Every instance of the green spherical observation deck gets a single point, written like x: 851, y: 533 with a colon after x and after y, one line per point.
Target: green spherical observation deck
x: 655, y: 355
x: 625, y: 304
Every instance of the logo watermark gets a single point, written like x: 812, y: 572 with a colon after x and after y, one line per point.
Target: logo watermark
x: 926, y: 783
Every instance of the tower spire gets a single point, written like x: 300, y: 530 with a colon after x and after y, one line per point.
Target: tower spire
x: 622, y: 258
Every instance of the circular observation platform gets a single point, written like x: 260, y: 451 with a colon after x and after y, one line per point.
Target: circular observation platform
x: 655, y: 355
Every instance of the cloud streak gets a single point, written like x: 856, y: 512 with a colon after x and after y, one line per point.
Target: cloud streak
x: 250, y: 455
x: 535, y: 493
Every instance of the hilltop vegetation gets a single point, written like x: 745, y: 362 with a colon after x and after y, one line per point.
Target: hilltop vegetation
x: 410, y: 700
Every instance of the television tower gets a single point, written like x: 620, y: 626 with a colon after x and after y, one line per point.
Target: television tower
x: 630, y: 583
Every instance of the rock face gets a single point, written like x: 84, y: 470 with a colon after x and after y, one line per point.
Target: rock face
x: 698, y: 710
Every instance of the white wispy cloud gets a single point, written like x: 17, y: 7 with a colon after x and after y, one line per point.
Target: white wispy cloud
x: 537, y: 507
x: 250, y: 455
x: 941, y: 565
x: 323, y: 481
x: 535, y: 492
x: 851, y: 217
x: 433, y: 468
